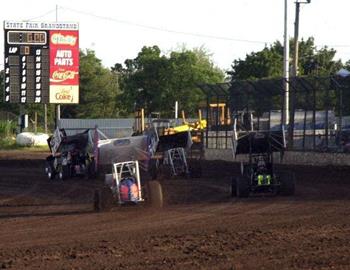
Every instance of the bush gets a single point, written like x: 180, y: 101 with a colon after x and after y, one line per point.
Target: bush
x: 7, y: 135
x: 7, y: 128
x: 7, y: 143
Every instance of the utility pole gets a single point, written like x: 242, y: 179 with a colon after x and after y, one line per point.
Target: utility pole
x: 286, y: 65
x: 58, y: 106
x: 296, y: 36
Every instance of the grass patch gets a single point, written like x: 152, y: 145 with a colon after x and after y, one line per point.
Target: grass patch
x: 8, y: 138
x: 7, y: 128
x: 9, y: 143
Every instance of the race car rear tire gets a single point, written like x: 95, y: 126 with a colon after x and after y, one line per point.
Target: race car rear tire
x: 103, y: 199
x: 242, y: 187
x: 153, y: 168
x: 155, y: 194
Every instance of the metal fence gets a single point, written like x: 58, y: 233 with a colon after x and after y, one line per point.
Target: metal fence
x: 112, y: 128
x: 319, y: 111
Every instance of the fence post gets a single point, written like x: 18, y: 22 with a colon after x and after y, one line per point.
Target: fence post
x: 45, y: 118
x: 35, y: 122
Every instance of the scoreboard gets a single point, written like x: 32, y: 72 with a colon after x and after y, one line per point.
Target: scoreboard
x: 41, y: 62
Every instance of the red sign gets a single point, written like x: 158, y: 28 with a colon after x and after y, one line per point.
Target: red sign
x: 64, y: 65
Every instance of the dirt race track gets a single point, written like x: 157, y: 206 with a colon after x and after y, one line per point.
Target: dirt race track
x: 51, y: 225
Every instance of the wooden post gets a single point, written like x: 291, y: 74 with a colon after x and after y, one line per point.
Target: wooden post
x: 183, y: 117
x: 35, y: 122
x: 45, y: 117
x: 142, y: 120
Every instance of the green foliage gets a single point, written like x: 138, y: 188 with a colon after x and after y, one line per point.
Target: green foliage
x: 264, y: 64
x: 347, y: 65
x: 316, y: 62
x: 6, y: 134
x: 98, y: 90
x: 7, y: 143
x: 6, y: 128
x: 268, y: 63
x: 156, y: 81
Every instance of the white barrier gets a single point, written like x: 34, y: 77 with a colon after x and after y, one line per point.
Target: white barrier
x: 31, y: 139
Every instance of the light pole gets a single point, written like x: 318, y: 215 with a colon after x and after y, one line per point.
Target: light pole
x: 286, y: 65
x: 58, y: 107
x: 296, y: 35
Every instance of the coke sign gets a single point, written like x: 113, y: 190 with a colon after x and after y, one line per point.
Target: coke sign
x: 64, y: 67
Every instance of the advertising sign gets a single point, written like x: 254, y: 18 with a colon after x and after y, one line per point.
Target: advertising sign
x: 64, y: 67
x: 41, y: 62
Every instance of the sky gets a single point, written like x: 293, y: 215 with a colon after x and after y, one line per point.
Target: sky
x: 228, y: 29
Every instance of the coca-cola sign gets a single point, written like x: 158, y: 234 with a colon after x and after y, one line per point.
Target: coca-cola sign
x: 64, y: 66
x: 63, y: 75
x: 64, y: 94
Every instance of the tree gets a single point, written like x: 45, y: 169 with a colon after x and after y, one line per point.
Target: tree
x: 98, y: 90
x: 156, y: 81
x: 268, y: 63
x: 317, y: 62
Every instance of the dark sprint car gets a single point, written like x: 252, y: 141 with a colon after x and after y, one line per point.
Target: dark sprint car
x: 70, y: 155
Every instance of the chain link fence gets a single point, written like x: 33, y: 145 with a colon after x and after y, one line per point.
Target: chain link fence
x: 319, y: 111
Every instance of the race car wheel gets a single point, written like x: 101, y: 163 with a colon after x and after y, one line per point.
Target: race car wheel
x: 155, y: 194
x: 242, y: 187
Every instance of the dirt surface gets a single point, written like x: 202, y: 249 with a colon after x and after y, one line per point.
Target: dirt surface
x: 50, y: 224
